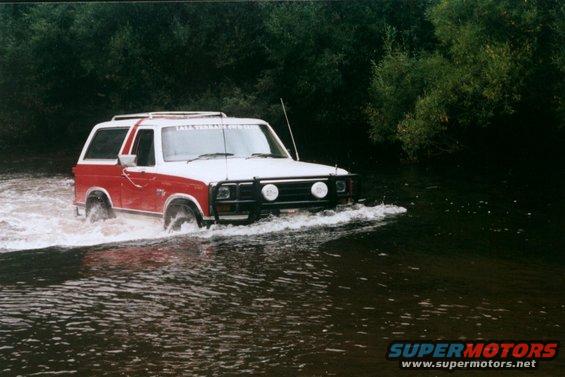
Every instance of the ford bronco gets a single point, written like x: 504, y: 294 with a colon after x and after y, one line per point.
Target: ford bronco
x: 200, y: 168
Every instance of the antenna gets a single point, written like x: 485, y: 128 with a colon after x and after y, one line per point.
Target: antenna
x: 290, y: 129
x: 225, y: 145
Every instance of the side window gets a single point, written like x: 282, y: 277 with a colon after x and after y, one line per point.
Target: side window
x: 144, y: 148
x: 106, y: 143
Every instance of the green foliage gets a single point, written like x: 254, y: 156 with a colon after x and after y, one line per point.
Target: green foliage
x: 423, y: 75
x: 64, y: 67
x: 484, y: 71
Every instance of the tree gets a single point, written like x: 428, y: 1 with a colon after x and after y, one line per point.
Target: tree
x: 483, y: 73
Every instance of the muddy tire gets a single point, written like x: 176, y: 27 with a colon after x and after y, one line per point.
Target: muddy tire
x: 179, y: 214
x: 98, y: 208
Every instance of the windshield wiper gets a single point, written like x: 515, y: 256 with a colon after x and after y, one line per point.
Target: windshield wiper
x: 265, y: 155
x: 206, y: 155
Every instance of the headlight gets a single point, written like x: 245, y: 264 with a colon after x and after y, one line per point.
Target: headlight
x: 223, y: 193
x: 340, y: 186
x: 270, y: 192
x: 319, y: 190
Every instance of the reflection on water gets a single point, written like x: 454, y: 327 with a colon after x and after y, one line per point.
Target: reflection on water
x: 464, y: 262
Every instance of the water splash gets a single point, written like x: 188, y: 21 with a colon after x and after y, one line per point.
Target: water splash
x: 38, y: 213
x: 300, y: 221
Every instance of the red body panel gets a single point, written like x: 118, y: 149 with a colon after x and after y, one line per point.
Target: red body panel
x: 177, y: 185
x: 148, y: 192
x: 141, y: 196
x: 107, y: 177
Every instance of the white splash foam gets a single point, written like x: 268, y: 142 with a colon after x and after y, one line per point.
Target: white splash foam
x: 38, y: 212
x: 301, y: 221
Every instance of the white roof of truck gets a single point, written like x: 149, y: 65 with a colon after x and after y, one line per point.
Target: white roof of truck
x: 163, y: 119
x: 171, y: 114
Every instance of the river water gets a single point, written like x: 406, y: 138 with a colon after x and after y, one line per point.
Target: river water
x: 445, y: 252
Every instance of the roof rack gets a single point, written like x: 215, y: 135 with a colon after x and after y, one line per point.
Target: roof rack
x: 171, y: 114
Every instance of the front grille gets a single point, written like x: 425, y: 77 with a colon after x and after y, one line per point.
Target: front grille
x: 246, y: 191
x: 295, y: 191
x: 288, y: 191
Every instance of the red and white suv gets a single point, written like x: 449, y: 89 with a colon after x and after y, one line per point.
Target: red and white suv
x: 200, y: 167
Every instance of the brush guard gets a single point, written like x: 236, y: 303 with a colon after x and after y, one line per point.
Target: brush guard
x: 246, y: 196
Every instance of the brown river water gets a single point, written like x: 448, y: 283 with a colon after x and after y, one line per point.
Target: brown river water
x: 444, y: 252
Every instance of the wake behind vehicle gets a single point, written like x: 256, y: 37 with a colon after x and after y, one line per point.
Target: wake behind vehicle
x: 201, y: 168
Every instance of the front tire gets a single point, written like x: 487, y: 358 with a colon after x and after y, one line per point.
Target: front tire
x: 179, y: 215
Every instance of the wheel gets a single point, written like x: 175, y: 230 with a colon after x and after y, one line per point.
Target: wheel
x: 97, y: 209
x: 179, y: 215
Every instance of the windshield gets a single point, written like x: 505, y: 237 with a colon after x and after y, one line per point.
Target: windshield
x: 182, y: 143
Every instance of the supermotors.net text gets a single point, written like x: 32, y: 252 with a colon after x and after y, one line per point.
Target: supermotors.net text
x: 475, y: 364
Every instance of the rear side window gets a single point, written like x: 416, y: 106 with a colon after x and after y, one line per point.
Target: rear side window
x: 105, y: 145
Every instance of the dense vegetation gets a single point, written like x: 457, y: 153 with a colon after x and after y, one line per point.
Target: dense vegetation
x: 410, y: 78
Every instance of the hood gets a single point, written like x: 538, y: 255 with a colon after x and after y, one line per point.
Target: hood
x: 214, y: 170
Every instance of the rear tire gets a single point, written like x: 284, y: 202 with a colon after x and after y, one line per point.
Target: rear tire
x: 97, y: 209
x: 181, y: 214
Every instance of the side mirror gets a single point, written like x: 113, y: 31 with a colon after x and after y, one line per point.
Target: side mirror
x: 127, y: 160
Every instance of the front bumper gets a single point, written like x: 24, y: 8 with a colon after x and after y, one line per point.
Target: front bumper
x: 247, y: 204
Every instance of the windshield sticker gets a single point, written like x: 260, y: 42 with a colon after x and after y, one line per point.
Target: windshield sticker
x: 217, y: 127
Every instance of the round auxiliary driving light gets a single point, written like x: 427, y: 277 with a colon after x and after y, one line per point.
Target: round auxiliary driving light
x: 319, y: 190
x: 270, y: 192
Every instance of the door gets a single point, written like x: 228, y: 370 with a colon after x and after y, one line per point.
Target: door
x: 138, y: 183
